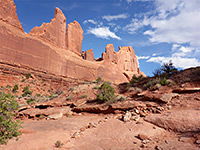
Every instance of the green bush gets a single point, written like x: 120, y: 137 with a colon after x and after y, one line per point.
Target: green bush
x: 99, y: 80
x: 28, y: 75
x: 136, y: 79
x: 30, y: 101
x: 15, y: 88
x: 163, y: 82
x: 83, y: 96
x: 58, y: 144
x: 151, y: 82
x: 106, y: 93
x: 8, y: 127
x: 26, y: 91
x: 166, y: 70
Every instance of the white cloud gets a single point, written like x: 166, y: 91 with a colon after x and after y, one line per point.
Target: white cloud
x: 115, y: 17
x: 178, y: 62
x: 173, y: 21
x: 103, y: 32
x: 154, y: 54
x: 129, y: 1
x: 133, y: 26
x: 90, y: 21
x: 143, y: 57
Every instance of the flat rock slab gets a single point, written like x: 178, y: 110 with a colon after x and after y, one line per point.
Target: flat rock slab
x: 160, y: 97
x: 43, y: 134
x: 187, y: 90
x: 186, y: 120
x: 116, y: 135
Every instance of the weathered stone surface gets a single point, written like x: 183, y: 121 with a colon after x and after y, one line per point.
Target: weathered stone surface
x: 110, y: 54
x: 53, y: 32
x: 121, y: 65
x: 8, y: 14
x: 127, y: 61
x: 88, y: 55
x: 51, y: 50
x: 187, y: 90
x: 186, y: 120
x: 74, y: 37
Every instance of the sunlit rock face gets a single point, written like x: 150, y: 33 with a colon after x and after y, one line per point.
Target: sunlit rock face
x: 54, y: 49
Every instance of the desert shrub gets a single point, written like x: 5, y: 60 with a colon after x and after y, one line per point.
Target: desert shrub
x: 163, y: 81
x: 151, y: 82
x: 8, y: 127
x: 106, y: 93
x: 52, y: 96
x: 136, y: 79
x: 58, y: 144
x: 37, y: 95
x: 83, y: 96
x: 99, y: 80
x: 26, y: 91
x: 15, y: 88
x: 28, y: 75
x: 30, y: 101
x: 8, y: 86
x: 166, y: 70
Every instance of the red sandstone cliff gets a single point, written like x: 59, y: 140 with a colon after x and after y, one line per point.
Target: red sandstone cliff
x: 88, y: 55
x: 53, y: 32
x: 53, y: 49
x: 8, y: 13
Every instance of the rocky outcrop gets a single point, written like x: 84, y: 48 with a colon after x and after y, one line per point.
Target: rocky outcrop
x: 110, y: 54
x: 8, y: 14
x: 74, y: 37
x: 53, y: 32
x: 122, y: 64
x: 88, y: 55
x: 51, y: 49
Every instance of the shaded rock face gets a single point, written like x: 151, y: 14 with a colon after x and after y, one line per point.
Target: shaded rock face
x: 110, y: 54
x: 88, y: 55
x: 74, y: 37
x: 51, y: 49
x: 8, y: 13
x: 53, y: 32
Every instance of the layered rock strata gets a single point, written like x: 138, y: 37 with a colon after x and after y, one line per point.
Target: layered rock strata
x: 53, y: 49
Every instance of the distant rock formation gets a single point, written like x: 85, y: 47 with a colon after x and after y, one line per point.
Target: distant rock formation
x: 124, y: 63
x: 88, y: 55
x: 54, y: 32
x: 53, y: 49
x: 74, y: 37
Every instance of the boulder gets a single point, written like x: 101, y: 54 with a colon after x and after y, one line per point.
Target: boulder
x: 53, y: 32
x: 186, y: 120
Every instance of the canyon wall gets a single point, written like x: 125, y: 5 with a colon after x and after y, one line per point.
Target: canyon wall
x: 54, y: 49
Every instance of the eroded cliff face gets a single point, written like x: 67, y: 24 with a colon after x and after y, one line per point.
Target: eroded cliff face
x: 8, y: 14
x: 88, y: 55
x: 51, y: 49
x: 53, y: 32
x: 121, y: 65
x: 74, y: 37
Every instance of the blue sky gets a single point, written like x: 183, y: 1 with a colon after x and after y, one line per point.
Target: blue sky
x: 158, y: 30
